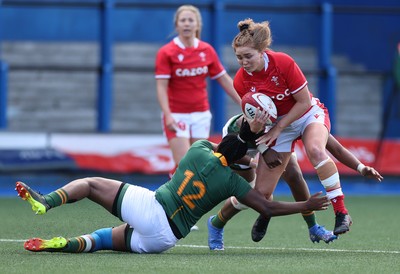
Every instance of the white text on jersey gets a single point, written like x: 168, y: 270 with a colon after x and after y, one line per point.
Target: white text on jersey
x: 191, y: 72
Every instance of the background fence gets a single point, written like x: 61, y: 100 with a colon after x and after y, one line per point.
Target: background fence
x: 363, y: 35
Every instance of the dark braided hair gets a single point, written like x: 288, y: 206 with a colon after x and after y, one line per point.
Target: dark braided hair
x: 232, y: 148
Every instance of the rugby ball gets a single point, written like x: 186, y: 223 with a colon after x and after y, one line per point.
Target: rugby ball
x: 253, y: 100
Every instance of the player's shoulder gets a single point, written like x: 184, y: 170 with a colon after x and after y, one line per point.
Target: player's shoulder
x: 202, y: 144
x: 167, y: 48
x: 280, y: 59
x: 204, y: 46
x: 278, y: 56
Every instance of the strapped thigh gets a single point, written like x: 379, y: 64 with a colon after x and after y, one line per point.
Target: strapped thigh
x: 116, y: 209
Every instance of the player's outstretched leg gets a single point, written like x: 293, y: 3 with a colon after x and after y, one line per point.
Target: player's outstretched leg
x: 215, y: 236
x: 37, y: 201
x: 319, y: 233
x: 100, y: 239
x: 41, y: 203
x: 343, y: 222
x: 37, y: 245
x: 259, y: 228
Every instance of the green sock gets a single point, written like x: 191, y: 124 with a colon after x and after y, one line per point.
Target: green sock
x: 218, y: 221
x: 75, y: 245
x: 310, y: 219
x: 56, y: 198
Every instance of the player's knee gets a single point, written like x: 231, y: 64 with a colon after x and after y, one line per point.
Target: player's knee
x: 327, y: 173
x: 315, y: 154
x: 102, y: 239
x: 266, y: 192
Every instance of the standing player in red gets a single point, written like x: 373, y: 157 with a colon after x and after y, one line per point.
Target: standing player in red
x: 300, y: 115
x: 182, y: 68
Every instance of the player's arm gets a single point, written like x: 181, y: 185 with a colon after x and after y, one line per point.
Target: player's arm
x: 226, y: 83
x: 257, y: 201
x: 347, y: 158
x: 162, y: 96
x: 303, y: 103
x: 248, y: 161
x: 257, y: 124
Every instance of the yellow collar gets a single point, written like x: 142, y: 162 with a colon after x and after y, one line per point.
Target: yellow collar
x: 221, y: 158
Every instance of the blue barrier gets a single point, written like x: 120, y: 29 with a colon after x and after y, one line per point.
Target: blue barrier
x: 105, y: 77
x: 327, y: 78
x: 92, y: 22
x: 50, y: 181
x: 106, y: 9
x: 3, y: 94
x: 217, y: 96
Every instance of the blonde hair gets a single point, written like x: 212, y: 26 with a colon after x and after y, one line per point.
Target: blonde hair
x: 196, y: 11
x: 255, y: 35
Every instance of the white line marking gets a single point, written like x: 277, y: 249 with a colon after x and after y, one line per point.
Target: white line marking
x: 299, y: 249
x: 268, y: 248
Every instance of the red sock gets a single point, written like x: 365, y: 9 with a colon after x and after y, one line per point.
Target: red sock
x: 338, y: 204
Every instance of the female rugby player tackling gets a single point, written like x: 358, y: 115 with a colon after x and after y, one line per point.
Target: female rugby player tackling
x: 155, y: 221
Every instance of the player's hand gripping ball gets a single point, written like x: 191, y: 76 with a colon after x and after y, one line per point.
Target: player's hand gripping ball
x: 253, y: 100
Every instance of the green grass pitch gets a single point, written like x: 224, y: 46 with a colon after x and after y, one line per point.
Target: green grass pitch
x: 372, y: 245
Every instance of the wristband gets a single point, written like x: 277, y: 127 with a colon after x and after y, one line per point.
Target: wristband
x: 360, y: 168
x: 262, y: 148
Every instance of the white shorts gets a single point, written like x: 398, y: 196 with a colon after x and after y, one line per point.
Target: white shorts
x: 190, y: 125
x: 287, y: 139
x: 151, y: 230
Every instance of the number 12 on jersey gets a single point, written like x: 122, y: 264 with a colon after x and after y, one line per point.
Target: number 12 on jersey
x: 187, y: 182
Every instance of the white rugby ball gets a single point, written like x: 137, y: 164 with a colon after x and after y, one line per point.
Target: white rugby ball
x: 253, y: 100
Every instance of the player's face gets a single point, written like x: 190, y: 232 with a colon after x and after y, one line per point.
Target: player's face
x: 249, y: 58
x: 187, y: 24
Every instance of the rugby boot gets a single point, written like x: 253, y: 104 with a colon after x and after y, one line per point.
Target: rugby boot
x: 342, y: 223
x: 259, y: 228
x: 215, y: 236
x: 318, y: 233
x: 38, y: 245
x: 37, y: 201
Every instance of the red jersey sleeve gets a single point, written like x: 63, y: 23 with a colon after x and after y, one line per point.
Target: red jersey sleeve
x: 163, y: 66
x: 215, y: 67
x: 295, y: 78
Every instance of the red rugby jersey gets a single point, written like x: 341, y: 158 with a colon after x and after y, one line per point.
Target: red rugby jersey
x: 187, y: 70
x: 280, y: 79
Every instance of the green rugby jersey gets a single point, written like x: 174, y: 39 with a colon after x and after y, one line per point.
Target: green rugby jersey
x: 231, y: 125
x: 200, y: 182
